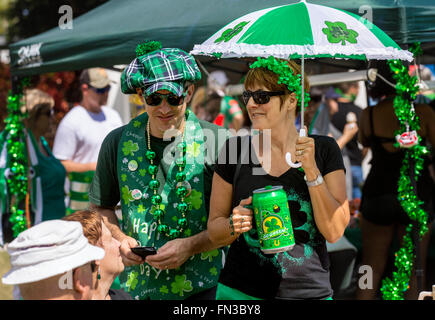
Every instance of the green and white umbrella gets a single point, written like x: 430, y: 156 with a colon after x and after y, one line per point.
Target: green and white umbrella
x: 302, y: 29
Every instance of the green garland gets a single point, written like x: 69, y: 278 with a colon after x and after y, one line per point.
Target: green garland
x: 407, y: 89
x: 286, y: 76
x: 17, y: 161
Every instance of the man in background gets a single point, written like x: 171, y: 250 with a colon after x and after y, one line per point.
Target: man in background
x: 81, y: 133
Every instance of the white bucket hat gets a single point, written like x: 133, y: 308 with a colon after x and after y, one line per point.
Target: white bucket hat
x: 48, y: 249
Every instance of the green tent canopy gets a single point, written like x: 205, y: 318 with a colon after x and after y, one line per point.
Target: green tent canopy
x: 108, y: 35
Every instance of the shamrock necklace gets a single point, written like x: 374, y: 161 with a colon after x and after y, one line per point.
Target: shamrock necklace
x: 181, y: 190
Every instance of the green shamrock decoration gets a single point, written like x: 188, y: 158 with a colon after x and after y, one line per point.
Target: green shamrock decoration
x: 164, y: 289
x: 195, y: 199
x: 126, y: 195
x: 230, y: 33
x: 338, y: 32
x: 213, y: 271
x: 181, y: 285
x: 272, y: 225
x: 129, y: 148
x: 132, y: 280
x: 123, y: 177
x: 193, y: 149
x: 142, y: 172
x: 136, y: 124
x: 161, y: 207
x: 141, y: 209
x: 209, y: 255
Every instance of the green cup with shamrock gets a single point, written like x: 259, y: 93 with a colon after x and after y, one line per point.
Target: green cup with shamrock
x: 272, y: 221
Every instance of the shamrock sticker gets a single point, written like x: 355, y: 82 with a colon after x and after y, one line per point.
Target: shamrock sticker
x: 142, y: 172
x: 195, y: 199
x: 209, y: 255
x: 193, y: 149
x: 129, y: 147
x: 132, y: 280
x: 181, y: 285
x: 230, y: 33
x: 338, y: 32
x: 136, y: 124
x: 123, y: 177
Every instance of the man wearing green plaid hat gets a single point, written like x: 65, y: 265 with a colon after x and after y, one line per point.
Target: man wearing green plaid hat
x: 160, y: 166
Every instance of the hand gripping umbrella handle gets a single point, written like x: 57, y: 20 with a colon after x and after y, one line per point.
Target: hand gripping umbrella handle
x: 288, y: 156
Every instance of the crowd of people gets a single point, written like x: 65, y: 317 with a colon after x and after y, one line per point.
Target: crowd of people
x: 184, y: 185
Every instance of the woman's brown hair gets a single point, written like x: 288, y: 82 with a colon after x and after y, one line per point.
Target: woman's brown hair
x: 91, y: 222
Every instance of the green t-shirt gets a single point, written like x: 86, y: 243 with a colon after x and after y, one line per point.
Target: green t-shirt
x: 104, y: 190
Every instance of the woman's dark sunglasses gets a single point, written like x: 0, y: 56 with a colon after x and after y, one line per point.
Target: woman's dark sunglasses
x: 100, y: 90
x: 260, y: 96
x: 155, y: 99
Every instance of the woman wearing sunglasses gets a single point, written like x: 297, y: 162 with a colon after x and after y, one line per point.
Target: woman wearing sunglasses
x: 316, y: 194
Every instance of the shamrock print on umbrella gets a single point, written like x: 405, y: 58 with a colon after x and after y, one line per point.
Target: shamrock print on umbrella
x: 230, y: 33
x: 338, y: 32
x: 181, y: 285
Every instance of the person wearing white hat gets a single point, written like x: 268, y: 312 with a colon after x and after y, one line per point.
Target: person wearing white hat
x: 52, y: 260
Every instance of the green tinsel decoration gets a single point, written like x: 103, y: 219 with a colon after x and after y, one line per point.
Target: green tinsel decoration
x: 286, y: 76
x: 16, y: 179
x: 407, y: 89
x: 147, y: 47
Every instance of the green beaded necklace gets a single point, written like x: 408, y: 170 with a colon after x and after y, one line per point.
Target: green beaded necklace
x: 182, y: 207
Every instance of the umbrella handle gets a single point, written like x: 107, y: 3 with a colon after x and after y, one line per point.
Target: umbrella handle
x: 288, y: 156
x: 288, y: 159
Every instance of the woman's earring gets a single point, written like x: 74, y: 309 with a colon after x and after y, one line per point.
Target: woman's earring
x: 98, y: 273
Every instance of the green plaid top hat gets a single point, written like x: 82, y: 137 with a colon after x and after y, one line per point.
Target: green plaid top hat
x: 156, y: 69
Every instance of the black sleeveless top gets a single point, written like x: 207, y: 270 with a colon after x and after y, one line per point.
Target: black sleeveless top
x: 385, y: 171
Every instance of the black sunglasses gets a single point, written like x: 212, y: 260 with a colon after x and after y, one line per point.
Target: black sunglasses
x: 100, y: 90
x: 155, y: 99
x: 260, y: 96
